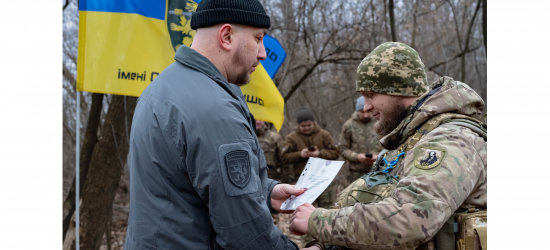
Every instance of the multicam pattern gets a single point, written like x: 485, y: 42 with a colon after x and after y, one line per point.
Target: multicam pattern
x: 393, y: 69
x: 358, y: 137
x: 272, y: 144
x: 423, y: 200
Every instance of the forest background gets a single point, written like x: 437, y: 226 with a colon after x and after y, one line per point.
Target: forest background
x: 325, y: 41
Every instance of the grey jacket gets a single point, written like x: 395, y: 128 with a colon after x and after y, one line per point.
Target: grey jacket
x: 198, y: 177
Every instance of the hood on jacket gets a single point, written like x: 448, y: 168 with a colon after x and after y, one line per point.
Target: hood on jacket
x: 451, y: 97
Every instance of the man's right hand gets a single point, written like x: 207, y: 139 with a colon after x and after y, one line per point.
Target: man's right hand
x: 304, y: 153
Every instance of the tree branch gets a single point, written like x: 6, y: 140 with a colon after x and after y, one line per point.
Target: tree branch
x: 66, y: 4
x: 450, y: 59
x: 467, y: 42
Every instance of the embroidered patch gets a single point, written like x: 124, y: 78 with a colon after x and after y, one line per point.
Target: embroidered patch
x: 428, y: 158
x: 238, y: 167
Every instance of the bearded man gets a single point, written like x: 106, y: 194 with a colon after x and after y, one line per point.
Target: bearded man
x: 198, y: 176
x: 435, y: 162
x: 358, y: 142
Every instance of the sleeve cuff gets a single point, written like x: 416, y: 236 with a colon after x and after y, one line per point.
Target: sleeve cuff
x: 311, y: 224
x: 269, y: 189
x: 316, y: 243
x: 353, y: 157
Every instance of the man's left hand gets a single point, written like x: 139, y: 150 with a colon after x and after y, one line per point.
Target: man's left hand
x: 280, y: 193
x: 298, y: 223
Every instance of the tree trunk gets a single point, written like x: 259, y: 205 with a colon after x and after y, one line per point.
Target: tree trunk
x: 485, y: 24
x: 413, y: 45
x: 90, y: 140
x: 467, y: 42
x: 104, y: 174
x: 392, y: 21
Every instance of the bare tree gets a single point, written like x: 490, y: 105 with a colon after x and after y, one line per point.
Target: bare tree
x: 324, y: 40
x: 485, y: 24
x: 392, y: 20
x: 90, y: 140
x: 106, y: 168
x: 467, y: 43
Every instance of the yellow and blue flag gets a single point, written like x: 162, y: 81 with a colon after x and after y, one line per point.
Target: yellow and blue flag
x: 125, y: 44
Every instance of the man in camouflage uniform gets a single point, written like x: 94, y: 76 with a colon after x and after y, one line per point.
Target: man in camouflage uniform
x: 271, y: 143
x: 358, y: 138
x: 436, y: 158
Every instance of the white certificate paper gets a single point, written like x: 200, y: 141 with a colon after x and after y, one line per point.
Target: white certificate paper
x: 316, y: 177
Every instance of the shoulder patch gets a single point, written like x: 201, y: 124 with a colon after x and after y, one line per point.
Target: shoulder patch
x: 238, y: 167
x: 428, y: 157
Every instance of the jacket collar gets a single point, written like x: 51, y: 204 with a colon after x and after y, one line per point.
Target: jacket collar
x: 448, y: 96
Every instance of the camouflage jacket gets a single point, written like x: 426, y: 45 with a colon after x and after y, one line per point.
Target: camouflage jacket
x: 271, y: 144
x: 358, y: 137
x: 444, y: 171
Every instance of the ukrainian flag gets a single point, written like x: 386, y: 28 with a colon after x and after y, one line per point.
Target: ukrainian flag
x: 125, y: 44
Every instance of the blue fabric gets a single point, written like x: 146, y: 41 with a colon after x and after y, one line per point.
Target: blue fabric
x: 275, y: 55
x: 360, y: 103
x: 148, y: 8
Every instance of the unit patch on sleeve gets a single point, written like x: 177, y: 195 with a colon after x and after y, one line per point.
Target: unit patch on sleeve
x: 238, y: 167
x: 428, y: 158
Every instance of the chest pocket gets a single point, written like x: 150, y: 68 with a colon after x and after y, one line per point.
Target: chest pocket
x: 371, y: 188
x: 239, y: 168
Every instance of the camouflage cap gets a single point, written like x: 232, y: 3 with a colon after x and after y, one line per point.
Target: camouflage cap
x: 392, y: 68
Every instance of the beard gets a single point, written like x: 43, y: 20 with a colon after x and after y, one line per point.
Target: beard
x: 393, y: 117
x: 242, y: 78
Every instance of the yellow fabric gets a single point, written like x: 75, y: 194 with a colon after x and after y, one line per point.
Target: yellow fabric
x: 263, y: 98
x: 482, y: 233
x: 121, y: 53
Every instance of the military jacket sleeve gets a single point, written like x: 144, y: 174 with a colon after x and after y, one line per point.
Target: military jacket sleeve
x: 278, y: 149
x: 329, y: 152
x: 290, y: 154
x: 443, y: 170
x: 344, y: 144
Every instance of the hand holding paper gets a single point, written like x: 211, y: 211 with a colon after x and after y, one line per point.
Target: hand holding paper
x: 316, y: 177
x: 280, y: 193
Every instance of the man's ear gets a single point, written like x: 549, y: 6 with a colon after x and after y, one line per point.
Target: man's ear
x: 226, y: 36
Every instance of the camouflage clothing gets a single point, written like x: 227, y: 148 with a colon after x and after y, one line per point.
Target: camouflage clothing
x: 393, y: 69
x: 445, y: 170
x: 271, y: 143
x: 358, y: 137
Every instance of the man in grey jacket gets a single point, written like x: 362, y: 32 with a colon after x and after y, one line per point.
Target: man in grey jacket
x: 198, y: 176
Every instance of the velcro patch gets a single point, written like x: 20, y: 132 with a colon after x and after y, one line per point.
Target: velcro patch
x: 428, y: 158
x: 238, y: 167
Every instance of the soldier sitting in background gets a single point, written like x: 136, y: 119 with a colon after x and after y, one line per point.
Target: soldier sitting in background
x: 359, y: 142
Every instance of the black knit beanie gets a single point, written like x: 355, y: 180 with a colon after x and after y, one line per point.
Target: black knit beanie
x: 247, y: 12
x: 304, y: 114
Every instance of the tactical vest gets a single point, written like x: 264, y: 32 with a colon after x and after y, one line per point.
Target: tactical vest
x: 378, y: 185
